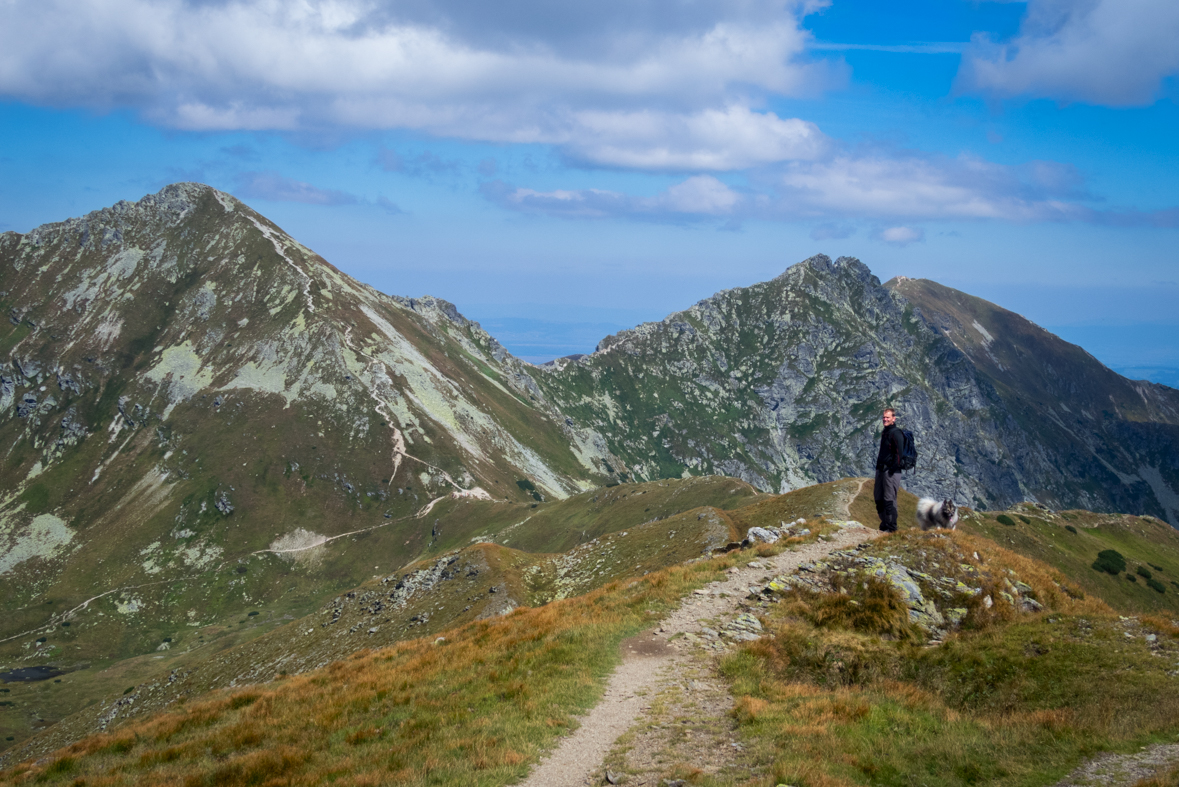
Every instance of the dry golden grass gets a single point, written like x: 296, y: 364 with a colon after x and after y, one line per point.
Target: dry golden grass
x: 474, y: 709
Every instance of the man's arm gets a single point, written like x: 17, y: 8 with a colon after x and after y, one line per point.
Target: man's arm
x: 898, y: 444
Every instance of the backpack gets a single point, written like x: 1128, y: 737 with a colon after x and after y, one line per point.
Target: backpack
x: 908, y: 451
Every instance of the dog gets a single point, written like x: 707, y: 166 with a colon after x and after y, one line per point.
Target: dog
x: 931, y: 514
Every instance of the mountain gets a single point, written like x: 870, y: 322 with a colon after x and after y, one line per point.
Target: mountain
x: 782, y: 384
x: 183, y: 386
x: 1098, y: 440
x: 202, y: 419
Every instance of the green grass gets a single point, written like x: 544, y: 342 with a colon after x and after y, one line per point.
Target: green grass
x: 475, y: 709
x: 837, y: 699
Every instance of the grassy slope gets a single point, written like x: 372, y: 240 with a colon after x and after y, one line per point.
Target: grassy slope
x: 1015, y: 698
x: 283, y: 589
x: 476, y: 709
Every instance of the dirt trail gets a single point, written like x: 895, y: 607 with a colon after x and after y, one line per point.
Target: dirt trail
x: 660, y: 675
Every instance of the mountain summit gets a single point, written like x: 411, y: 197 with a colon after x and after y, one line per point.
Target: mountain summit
x: 782, y: 384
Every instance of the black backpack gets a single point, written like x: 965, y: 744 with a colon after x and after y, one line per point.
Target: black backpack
x: 908, y: 451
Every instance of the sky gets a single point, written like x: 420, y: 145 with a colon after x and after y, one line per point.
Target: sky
x: 561, y: 171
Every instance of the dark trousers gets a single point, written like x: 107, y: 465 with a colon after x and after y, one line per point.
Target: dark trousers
x: 885, y: 495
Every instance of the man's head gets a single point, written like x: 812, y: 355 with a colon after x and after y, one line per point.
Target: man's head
x: 889, y: 417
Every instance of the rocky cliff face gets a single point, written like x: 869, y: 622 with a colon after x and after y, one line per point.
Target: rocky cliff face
x: 1079, y: 434
x: 182, y: 384
x: 782, y: 384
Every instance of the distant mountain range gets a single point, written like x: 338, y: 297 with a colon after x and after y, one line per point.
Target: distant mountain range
x: 185, y: 389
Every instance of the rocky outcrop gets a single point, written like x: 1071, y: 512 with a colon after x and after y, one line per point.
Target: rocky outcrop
x: 781, y: 384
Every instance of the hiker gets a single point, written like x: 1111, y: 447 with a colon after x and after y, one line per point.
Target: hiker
x: 888, y: 472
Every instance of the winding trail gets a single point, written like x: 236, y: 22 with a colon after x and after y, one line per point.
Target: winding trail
x: 683, y: 646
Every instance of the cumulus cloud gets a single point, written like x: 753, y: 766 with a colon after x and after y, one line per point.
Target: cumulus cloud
x: 913, y: 186
x: 713, y: 139
x: 901, y: 236
x: 1108, y: 52
x: 275, y: 187
x: 649, y: 83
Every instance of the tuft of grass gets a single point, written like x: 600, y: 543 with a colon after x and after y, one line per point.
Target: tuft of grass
x: 874, y: 607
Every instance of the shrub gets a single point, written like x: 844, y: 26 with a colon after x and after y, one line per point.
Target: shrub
x: 1003, y: 519
x: 1152, y: 565
x: 1131, y: 577
x: 1025, y: 520
x: 1070, y: 528
x: 1155, y: 585
x: 1142, y: 572
x: 1110, y: 561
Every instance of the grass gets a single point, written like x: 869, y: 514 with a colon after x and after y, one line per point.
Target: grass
x: 477, y: 708
x: 844, y: 693
x: 836, y: 699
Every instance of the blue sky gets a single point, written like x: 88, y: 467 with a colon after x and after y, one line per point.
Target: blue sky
x: 563, y: 170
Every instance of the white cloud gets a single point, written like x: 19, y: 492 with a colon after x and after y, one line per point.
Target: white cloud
x: 901, y: 236
x: 843, y: 190
x: 648, y: 84
x: 1107, y: 52
x: 714, y: 139
x: 701, y: 196
x: 911, y: 186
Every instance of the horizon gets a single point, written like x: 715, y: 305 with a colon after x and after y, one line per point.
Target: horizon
x: 560, y: 171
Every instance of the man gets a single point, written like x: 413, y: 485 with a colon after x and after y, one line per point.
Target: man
x: 888, y: 472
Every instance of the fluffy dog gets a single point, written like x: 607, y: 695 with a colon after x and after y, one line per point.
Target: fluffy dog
x: 931, y: 514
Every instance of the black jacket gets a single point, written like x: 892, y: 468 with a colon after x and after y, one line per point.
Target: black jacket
x: 891, y: 443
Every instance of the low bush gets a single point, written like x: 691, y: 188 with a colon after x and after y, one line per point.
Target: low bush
x: 1110, y: 561
x: 1131, y: 577
x: 1070, y: 528
x: 1003, y: 519
x: 1142, y: 572
x: 1155, y: 585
